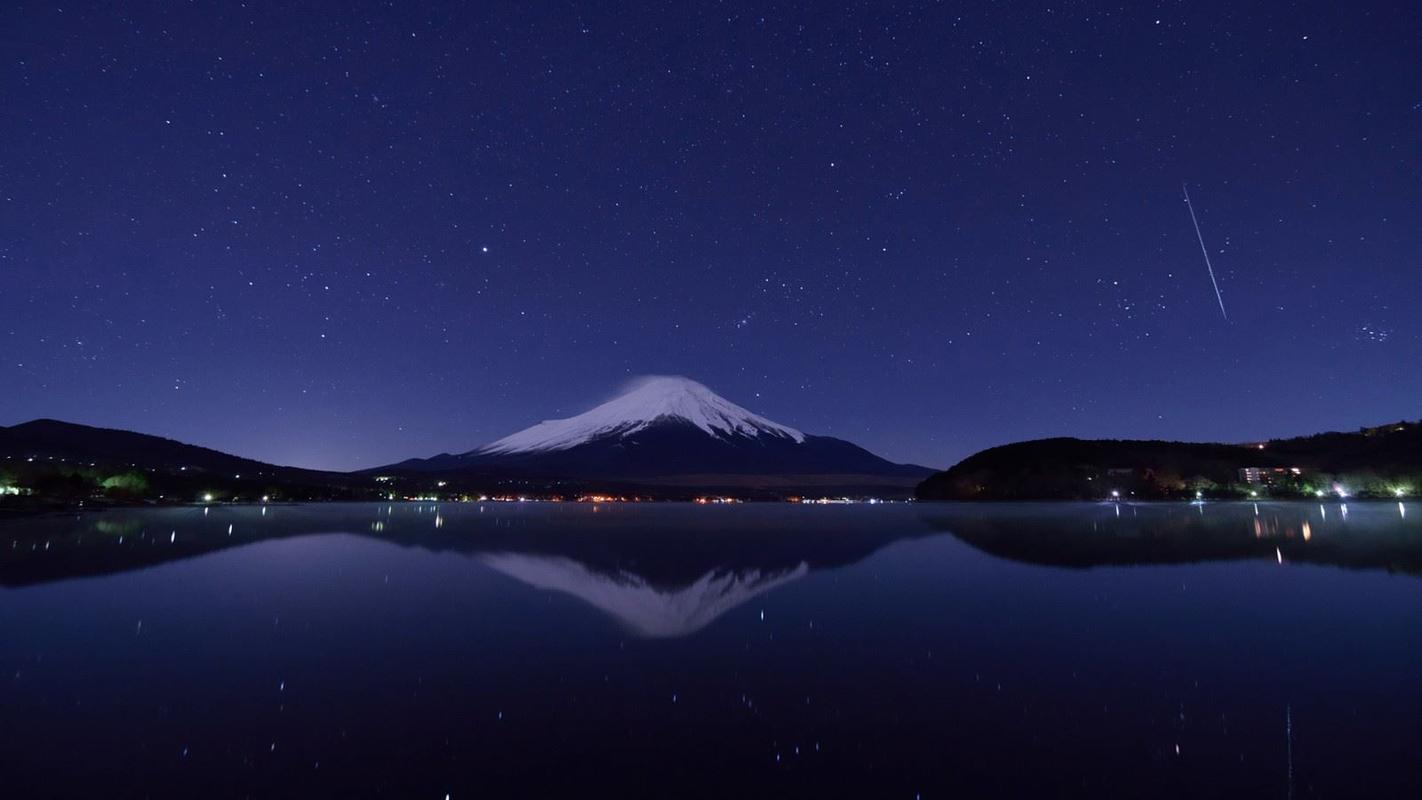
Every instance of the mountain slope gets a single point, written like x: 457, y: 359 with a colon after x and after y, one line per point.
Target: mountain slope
x: 663, y: 427
x: 49, y: 439
x: 647, y: 402
x: 1373, y: 461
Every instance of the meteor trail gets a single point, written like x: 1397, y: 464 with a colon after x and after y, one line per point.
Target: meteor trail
x: 1206, y: 253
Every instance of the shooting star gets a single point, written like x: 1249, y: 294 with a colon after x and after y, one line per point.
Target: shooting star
x: 1206, y: 252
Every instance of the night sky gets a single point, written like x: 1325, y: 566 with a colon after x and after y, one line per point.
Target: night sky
x: 337, y: 235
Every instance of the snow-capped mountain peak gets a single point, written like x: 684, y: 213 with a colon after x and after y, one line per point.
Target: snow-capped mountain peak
x: 648, y: 400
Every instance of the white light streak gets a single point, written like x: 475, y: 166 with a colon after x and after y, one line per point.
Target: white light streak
x: 1219, y: 297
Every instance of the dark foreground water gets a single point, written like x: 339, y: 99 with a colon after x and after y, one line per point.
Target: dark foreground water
x: 541, y: 650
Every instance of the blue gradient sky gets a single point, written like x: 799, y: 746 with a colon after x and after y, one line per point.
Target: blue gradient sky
x: 338, y: 235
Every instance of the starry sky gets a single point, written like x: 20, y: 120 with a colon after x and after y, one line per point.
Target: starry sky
x: 341, y: 234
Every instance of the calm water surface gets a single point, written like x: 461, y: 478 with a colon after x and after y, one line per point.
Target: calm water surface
x: 1057, y: 650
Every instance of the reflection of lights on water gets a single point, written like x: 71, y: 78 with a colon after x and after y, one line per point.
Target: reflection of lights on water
x: 1279, y: 555
x: 1323, y: 511
x: 439, y: 521
x: 1256, y: 509
x: 264, y: 511
x: 1344, y: 509
x: 1401, y: 512
x: 1307, y: 531
x: 229, y: 529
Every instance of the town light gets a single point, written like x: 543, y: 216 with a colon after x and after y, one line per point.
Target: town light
x: 207, y: 498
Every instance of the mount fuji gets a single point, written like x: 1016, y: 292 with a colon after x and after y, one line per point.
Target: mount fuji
x: 673, y: 430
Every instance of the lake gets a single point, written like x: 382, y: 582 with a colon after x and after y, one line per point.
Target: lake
x: 1269, y: 650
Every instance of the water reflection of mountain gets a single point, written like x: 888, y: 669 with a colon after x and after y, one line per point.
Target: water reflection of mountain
x: 1373, y: 535
x: 660, y: 570
x: 644, y: 608
x: 669, y: 570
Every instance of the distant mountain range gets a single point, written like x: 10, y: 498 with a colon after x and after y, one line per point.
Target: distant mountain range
x: 673, y: 438
x: 673, y: 431
x: 664, y: 437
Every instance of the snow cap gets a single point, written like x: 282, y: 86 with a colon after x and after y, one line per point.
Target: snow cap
x: 646, y: 400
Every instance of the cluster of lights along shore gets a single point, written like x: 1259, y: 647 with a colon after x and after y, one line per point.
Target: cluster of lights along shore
x: 1335, y: 490
x: 619, y: 498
